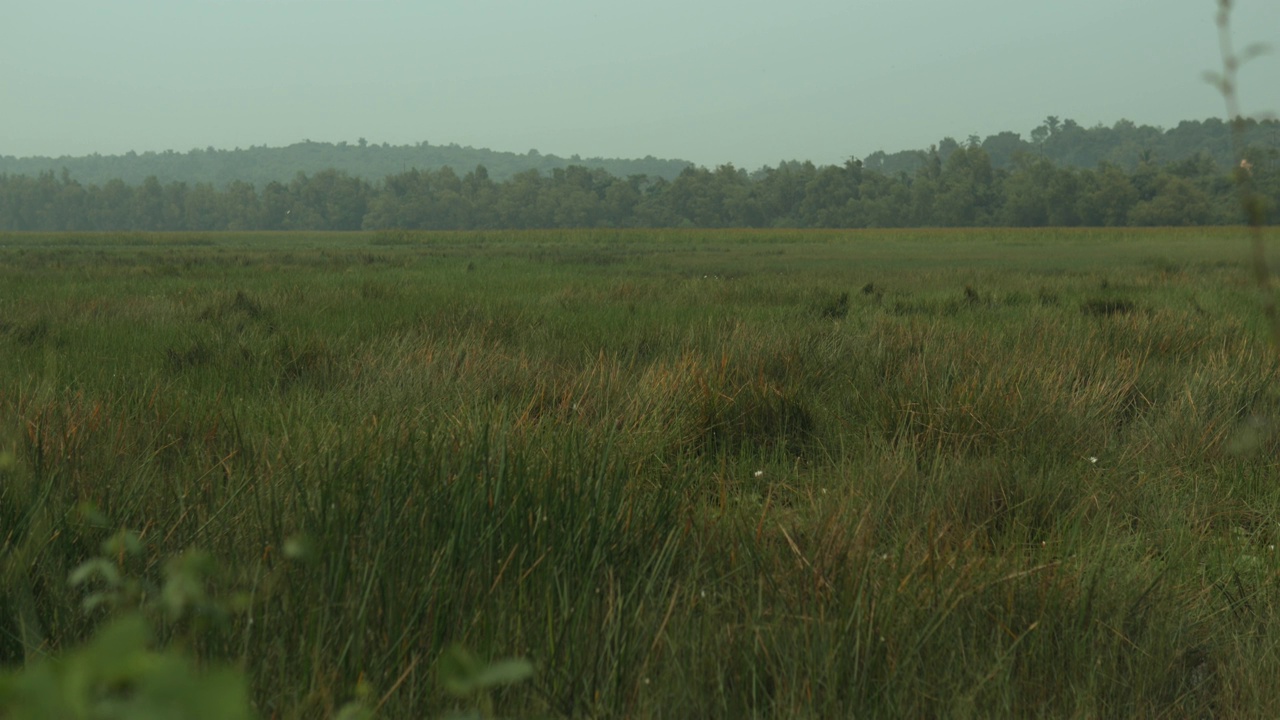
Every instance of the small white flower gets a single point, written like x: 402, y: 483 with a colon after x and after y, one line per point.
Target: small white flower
x: 759, y: 473
x: 1093, y: 459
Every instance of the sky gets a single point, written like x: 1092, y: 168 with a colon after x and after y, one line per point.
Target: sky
x: 711, y: 81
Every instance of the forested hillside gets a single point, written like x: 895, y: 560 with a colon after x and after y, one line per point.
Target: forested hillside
x: 1124, y: 144
x: 955, y: 185
x: 261, y: 165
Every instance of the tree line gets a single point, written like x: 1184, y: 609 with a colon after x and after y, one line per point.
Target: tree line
x: 952, y: 186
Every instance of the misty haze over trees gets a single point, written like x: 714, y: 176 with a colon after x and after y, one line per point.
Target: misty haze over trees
x: 1064, y: 175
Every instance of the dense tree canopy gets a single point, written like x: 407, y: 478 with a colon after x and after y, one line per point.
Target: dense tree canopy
x: 993, y: 182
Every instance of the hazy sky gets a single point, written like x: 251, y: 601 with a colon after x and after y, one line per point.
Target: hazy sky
x: 711, y: 81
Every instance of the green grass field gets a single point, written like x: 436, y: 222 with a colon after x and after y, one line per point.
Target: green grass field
x: 686, y: 474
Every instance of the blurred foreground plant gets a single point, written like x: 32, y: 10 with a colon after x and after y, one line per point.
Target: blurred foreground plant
x: 1252, y: 202
x: 124, y: 672
x: 467, y: 677
x: 121, y: 672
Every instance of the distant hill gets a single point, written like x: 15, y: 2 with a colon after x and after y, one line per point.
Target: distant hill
x: 1124, y: 144
x: 262, y: 165
x: 1064, y: 142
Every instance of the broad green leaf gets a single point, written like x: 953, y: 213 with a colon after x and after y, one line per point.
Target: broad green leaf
x: 504, y: 672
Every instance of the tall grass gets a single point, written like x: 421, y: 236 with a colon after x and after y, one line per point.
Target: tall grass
x: 686, y: 474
